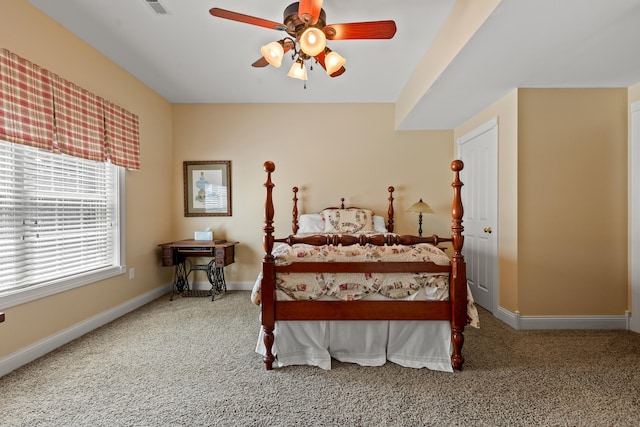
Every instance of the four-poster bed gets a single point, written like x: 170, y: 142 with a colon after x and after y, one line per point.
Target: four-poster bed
x: 347, y: 278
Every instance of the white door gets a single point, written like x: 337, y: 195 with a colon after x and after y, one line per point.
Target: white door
x: 479, y: 151
x: 634, y: 182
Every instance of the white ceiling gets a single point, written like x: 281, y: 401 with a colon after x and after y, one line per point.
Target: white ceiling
x: 189, y: 56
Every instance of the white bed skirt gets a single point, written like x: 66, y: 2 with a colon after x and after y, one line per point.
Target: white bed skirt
x: 414, y: 344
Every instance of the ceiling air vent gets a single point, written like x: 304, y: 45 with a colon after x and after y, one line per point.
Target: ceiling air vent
x: 157, y: 7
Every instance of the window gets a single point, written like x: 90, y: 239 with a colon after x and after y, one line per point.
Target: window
x: 60, y: 222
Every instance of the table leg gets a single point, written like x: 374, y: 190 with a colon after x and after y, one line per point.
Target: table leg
x: 180, y: 279
x: 216, y: 278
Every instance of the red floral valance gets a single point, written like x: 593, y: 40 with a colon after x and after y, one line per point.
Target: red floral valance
x: 43, y: 110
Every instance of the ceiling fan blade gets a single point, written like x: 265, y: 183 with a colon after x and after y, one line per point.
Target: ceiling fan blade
x: 361, y: 30
x: 321, y: 57
x: 260, y: 63
x: 235, y: 16
x: 309, y: 10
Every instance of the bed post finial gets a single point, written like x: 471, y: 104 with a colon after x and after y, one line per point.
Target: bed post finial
x: 294, y: 212
x: 457, y: 209
x: 269, y: 168
x: 390, y: 211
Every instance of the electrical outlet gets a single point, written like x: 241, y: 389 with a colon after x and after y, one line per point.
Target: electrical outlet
x: 132, y: 273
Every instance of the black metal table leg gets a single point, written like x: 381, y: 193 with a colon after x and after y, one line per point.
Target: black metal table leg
x: 180, y: 278
x: 215, y: 275
x: 216, y: 278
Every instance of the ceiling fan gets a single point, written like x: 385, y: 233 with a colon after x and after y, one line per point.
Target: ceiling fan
x: 308, y: 32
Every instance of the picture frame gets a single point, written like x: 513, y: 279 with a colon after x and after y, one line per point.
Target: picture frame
x: 207, y: 188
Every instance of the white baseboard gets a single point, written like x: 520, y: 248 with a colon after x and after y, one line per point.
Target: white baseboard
x: 517, y: 321
x: 38, y: 349
x: 511, y: 319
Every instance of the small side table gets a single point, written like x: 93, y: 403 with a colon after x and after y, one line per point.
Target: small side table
x: 178, y: 253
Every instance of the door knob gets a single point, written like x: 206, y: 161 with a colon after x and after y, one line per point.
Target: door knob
x: 488, y: 230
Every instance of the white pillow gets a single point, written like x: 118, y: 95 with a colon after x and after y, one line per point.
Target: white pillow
x: 379, y: 224
x: 310, y: 223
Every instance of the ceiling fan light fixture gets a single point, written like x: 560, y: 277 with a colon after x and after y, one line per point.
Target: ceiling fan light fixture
x: 312, y: 41
x: 298, y: 71
x: 333, y: 62
x: 305, y: 23
x: 273, y: 53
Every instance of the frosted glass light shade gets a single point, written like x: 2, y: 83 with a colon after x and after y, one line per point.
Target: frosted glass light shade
x: 298, y: 71
x: 420, y: 207
x: 333, y: 62
x: 273, y: 53
x: 312, y: 41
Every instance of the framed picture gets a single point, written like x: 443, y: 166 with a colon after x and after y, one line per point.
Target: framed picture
x: 207, y: 188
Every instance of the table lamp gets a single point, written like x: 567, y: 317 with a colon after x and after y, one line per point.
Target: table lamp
x: 420, y: 208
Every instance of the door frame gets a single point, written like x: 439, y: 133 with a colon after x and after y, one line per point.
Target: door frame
x: 494, y: 250
x: 634, y: 215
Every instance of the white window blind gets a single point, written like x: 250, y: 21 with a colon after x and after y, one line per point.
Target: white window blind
x: 59, y: 217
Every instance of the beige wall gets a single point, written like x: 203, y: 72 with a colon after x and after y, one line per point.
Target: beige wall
x: 328, y: 151
x: 572, y: 181
x: 30, y: 34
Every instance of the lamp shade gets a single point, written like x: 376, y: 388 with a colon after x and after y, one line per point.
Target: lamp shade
x: 333, y: 61
x: 312, y: 41
x: 273, y: 53
x: 420, y: 207
x: 298, y: 71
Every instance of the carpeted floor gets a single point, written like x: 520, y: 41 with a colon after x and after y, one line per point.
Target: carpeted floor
x: 191, y: 362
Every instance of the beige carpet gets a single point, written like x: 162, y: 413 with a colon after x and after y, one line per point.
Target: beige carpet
x: 191, y: 362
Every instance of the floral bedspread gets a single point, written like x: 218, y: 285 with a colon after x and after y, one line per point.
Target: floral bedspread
x: 356, y: 286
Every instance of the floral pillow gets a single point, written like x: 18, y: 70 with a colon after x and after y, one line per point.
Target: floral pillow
x: 348, y: 221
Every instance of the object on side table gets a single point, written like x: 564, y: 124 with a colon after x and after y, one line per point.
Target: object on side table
x: 203, y: 235
x: 420, y: 208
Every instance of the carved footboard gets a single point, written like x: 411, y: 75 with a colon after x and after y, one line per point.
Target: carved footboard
x: 454, y: 310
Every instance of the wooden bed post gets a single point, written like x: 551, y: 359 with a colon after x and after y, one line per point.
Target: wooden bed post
x: 268, y: 270
x: 390, y: 211
x: 294, y: 212
x: 458, y: 271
